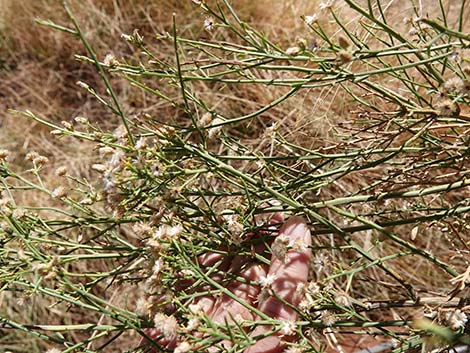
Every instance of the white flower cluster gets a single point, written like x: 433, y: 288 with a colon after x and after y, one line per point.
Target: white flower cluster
x: 456, y: 319
x: 167, y: 325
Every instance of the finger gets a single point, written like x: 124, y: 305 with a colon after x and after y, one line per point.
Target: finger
x: 288, y: 272
x: 246, y: 290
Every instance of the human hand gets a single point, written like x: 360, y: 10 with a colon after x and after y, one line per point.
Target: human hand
x: 274, y: 290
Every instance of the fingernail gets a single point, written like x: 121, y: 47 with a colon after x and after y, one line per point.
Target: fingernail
x: 295, y: 227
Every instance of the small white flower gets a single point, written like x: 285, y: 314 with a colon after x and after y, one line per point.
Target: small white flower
x: 183, y: 347
x: 157, y: 267
x: 167, y: 325
x: 86, y: 201
x: 215, y: 131
x: 280, y: 246
x: 209, y: 23
x: 311, y: 19
x: 175, y: 231
x: 267, y: 282
x: 81, y: 120
x: 306, y: 303
x: 328, y: 318
x: 142, y: 306
x: 319, y: 262
x: 117, y: 159
x: 4, y: 154
x: 167, y: 232
x: 234, y: 226
x: 141, y: 144
x: 343, y: 300
x: 61, y: 171
x: 126, y: 37
x: 205, y: 119
x: 288, y: 328
x: 293, y: 51
x: 192, y: 324
x: 195, y: 308
x: 59, y: 192
x: 110, y: 60
x: 293, y: 349
x: 326, y: 5
x: 456, y: 319
x: 101, y: 168
x: 53, y: 350
x: 83, y: 84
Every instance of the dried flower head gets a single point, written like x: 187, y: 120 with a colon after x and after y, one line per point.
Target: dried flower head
x: 343, y: 42
x: 30, y: 156
x: 310, y: 20
x: 288, y: 327
x: 67, y: 125
x: 53, y: 350
x: 59, y: 192
x: 110, y: 60
x: 293, y: 51
x: 4, y: 154
x: 183, y: 347
x: 267, y: 281
x: 293, y: 349
x: 456, y: 319
x: 234, y: 227
x: 168, y: 232
x: 101, y: 168
x: 143, y: 230
x: 279, y: 247
x: 167, y: 325
x: 453, y: 85
x: 40, y: 160
x: 81, y: 120
x: 328, y: 318
x: 326, y: 5
x: 448, y: 108
x: 205, y: 119
x: 209, y: 23
x: 342, y: 299
x: 344, y: 56
x: 61, y: 171
x: 216, y: 130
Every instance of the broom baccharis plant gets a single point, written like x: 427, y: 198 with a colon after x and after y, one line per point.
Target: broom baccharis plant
x: 385, y: 190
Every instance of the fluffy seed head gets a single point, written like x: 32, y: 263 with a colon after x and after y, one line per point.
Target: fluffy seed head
x: 167, y: 325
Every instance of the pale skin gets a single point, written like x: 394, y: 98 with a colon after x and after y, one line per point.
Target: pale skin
x: 287, y: 274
